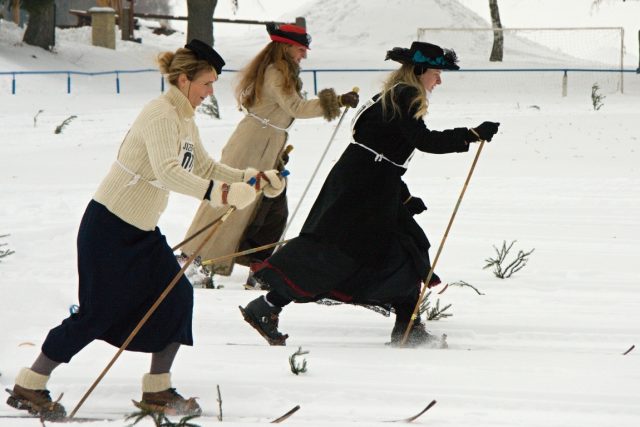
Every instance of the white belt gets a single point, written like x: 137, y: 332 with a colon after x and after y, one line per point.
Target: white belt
x: 138, y: 177
x: 266, y: 122
x: 380, y: 157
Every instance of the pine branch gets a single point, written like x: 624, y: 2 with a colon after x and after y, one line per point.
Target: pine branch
x: 61, y: 126
x: 463, y: 284
x: 5, y: 252
x: 219, y: 403
x: 35, y: 118
x: 160, y: 419
x: 435, y: 313
x: 295, y: 367
x: 211, y: 108
x: 513, y: 267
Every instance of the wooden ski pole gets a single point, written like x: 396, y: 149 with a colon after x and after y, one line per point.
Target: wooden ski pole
x: 252, y: 181
x: 245, y: 252
x: 194, y: 235
x: 153, y: 308
x: 425, y: 284
x: 313, y: 175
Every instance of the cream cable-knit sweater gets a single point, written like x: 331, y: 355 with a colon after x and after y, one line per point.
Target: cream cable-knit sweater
x: 163, y: 145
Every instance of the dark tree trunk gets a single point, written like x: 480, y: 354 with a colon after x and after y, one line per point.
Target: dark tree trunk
x: 498, y: 36
x: 200, y: 22
x: 41, y: 26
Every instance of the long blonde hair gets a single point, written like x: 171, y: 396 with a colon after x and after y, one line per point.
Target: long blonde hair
x: 172, y: 64
x: 403, y: 75
x: 251, y: 83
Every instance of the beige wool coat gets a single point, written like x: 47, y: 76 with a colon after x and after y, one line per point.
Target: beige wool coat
x: 258, y: 144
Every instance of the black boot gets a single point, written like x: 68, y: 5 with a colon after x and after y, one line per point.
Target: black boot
x: 264, y: 318
x: 418, y: 334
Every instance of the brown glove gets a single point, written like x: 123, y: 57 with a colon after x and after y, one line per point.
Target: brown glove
x: 349, y: 99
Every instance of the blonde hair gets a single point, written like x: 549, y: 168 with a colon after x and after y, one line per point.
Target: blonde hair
x: 251, y: 79
x: 183, y: 60
x: 403, y: 75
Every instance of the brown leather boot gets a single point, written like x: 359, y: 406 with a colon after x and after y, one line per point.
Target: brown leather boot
x: 170, y: 402
x: 37, y: 402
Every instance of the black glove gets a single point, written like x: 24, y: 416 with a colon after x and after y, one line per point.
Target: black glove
x: 415, y: 205
x: 349, y: 99
x: 486, y: 130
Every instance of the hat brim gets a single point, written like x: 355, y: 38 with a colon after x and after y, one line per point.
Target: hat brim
x: 280, y: 39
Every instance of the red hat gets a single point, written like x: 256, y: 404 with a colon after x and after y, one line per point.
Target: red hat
x: 290, y: 34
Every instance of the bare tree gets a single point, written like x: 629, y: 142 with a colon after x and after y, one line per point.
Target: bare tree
x: 200, y: 20
x: 498, y: 36
x: 160, y: 7
x: 41, y: 26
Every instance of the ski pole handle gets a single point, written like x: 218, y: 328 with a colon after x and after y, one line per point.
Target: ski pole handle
x: 284, y: 173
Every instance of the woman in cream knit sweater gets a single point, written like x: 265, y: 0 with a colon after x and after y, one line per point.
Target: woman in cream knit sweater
x: 124, y: 261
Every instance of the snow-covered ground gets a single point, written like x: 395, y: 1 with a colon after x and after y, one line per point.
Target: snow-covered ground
x: 542, y: 348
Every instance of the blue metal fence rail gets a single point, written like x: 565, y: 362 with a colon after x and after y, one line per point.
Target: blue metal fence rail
x: 69, y: 73
x: 315, y: 72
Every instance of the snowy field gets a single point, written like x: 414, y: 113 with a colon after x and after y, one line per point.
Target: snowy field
x: 543, y: 348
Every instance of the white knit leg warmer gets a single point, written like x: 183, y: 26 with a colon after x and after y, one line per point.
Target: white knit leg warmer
x: 31, y: 380
x: 153, y: 383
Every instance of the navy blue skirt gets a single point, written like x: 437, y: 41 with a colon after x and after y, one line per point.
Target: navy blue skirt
x: 122, y: 270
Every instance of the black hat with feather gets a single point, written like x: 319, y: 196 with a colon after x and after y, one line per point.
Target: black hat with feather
x: 424, y: 56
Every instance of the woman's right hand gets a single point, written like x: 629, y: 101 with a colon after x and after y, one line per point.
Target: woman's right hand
x: 238, y: 194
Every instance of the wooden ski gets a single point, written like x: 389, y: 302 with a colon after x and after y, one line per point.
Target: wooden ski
x: 416, y: 416
x: 287, y: 415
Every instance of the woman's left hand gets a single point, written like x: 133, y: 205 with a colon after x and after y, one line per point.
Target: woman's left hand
x: 271, y: 183
x: 415, y: 205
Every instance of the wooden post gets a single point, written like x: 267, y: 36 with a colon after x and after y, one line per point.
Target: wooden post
x: 103, y: 27
x: 124, y: 23
x: 15, y: 10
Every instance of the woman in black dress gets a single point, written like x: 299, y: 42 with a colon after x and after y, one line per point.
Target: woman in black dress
x: 360, y: 243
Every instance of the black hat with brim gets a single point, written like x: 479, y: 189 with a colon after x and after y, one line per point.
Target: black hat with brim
x: 204, y: 52
x: 424, y: 56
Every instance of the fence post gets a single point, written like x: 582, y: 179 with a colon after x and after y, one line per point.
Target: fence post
x: 13, y: 84
x: 315, y: 82
x: 117, y: 82
x: 68, y: 83
x: 301, y: 22
x: 638, y: 70
x: 124, y: 23
x: 564, y: 84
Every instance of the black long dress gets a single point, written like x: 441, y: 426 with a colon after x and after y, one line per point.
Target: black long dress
x: 360, y: 244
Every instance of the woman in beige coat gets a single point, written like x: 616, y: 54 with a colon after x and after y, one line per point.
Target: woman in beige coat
x: 269, y: 92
